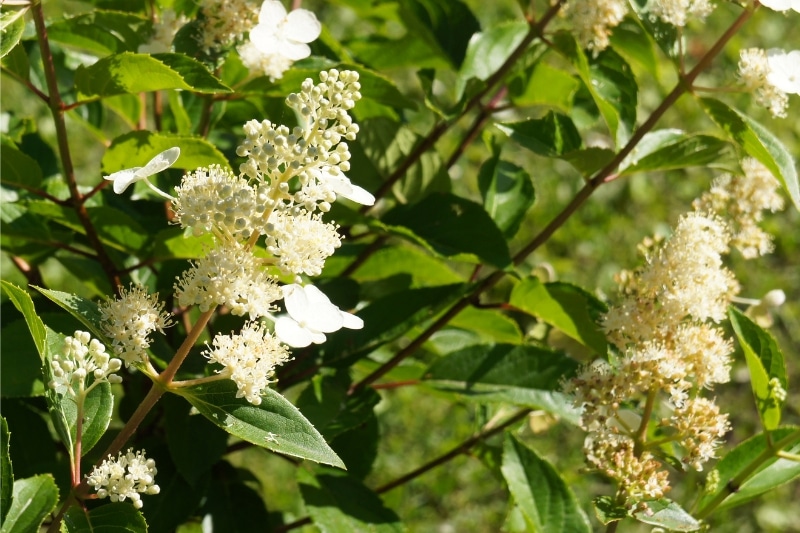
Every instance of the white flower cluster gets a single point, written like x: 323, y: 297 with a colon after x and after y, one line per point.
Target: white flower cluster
x: 593, y: 20
x: 130, y: 319
x: 82, y: 358
x: 678, y: 12
x: 772, y: 75
x: 225, y: 22
x: 249, y: 358
x: 125, y: 478
x: 164, y: 31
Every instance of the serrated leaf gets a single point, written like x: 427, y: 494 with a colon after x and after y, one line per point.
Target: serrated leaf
x: 138, y: 147
x: 12, y: 31
x: 551, y: 136
x: 547, y: 503
x: 446, y: 25
x: 610, y: 82
x: 275, y: 424
x: 488, y: 50
x: 339, y: 503
x: 507, y: 192
x: 673, y: 149
x: 129, y: 73
x: 86, y: 311
x: 765, y: 362
x: 33, y: 499
x: 6, y: 473
x: 772, y: 472
x: 119, y: 517
x: 100, y: 32
x: 667, y: 514
x: 522, y: 375
x: 23, y: 302
x: 453, y: 226
x: 757, y: 142
x: 566, y: 307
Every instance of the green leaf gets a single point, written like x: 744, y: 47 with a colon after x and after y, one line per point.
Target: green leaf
x: 446, y: 25
x: 566, y: 307
x: 631, y: 40
x: 771, y: 473
x: 405, y: 260
x: 275, y: 424
x: 507, y: 192
x: 666, y: 36
x: 100, y: 32
x: 138, y: 147
x: 551, y: 136
x: 667, y: 514
x: 23, y: 302
x: 11, y: 33
x: 329, y: 408
x: 33, y: 499
x: 546, y: 86
x: 453, y: 227
x: 6, y: 472
x: 607, y: 510
x: 491, y: 324
x: 16, y: 61
x: 547, y: 503
x: 86, y: 311
x: 488, y: 50
x: 232, y: 505
x: 195, y: 444
x: 521, y: 375
x: 129, y: 73
x: 757, y: 142
x: 673, y: 149
x: 22, y: 367
x: 589, y: 160
x: 765, y: 362
x: 610, y: 82
x: 119, y: 517
x: 338, y: 503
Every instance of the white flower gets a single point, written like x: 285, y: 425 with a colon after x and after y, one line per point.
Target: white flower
x: 124, y: 178
x: 311, y: 315
x: 285, y: 34
x: 781, y: 5
x: 784, y: 70
x: 126, y: 477
x: 82, y: 358
x: 340, y: 184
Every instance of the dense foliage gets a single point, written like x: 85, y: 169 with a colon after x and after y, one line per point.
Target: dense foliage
x: 372, y: 265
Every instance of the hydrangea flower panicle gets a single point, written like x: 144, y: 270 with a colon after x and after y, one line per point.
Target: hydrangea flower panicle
x: 122, y: 179
x: 678, y: 12
x: 225, y: 22
x: 249, y: 359
x: 82, y: 358
x: 130, y: 319
x: 592, y: 21
x: 310, y: 315
x: 125, y: 478
x: 771, y: 76
x: 301, y: 242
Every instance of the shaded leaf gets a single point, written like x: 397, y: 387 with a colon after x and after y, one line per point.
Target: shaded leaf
x: 22, y: 367
x: 33, y: 499
x: 566, y: 307
x: 129, y: 73
x: 446, y: 25
x: 17, y: 168
x: 453, y: 227
x: 86, y: 311
x: 338, y: 503
x: 507, y: 192
x: 23, y: 302
x: 757, y: 142
x: 551, y: 136
x: 114, y: 517
x: 100, y: 32
x: 326, y: 404
x: 673, y: 149
x: 6, y: 473
x: 194, y: 443
x: 547, y: 503
x: 275, y: 424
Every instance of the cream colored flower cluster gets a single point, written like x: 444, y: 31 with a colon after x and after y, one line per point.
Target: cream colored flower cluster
x: 670, y: 349
x: 772, y: 75
x: 592, y: 21
x: 125, y: 478
x: 226, y: 22
x: 82, y: 364
x: 678, y: 12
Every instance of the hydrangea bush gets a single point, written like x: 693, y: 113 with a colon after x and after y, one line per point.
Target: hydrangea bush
x: 231, y: 226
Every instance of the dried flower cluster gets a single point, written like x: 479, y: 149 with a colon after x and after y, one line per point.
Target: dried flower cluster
x: 670, y: 349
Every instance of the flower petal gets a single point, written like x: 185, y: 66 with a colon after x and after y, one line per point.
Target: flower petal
x: 272, y: 13
x: 123, y: 178
x: 160, y: 162
x: 293, y: 50
x: 302, y: 26
x: 351, y: 321
x: 322, y: 314
x: 290, y: 332
x: 265, y: 38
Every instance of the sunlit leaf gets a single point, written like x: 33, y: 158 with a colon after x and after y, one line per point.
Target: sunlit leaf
x: 32, y: 500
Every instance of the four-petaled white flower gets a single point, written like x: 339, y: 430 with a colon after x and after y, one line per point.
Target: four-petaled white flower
x: 311, y: 316
x: 784, y: 70
x: 340, y: 184
x: 285, y: 34
x: 124, y: 178
x: 782, y: 5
